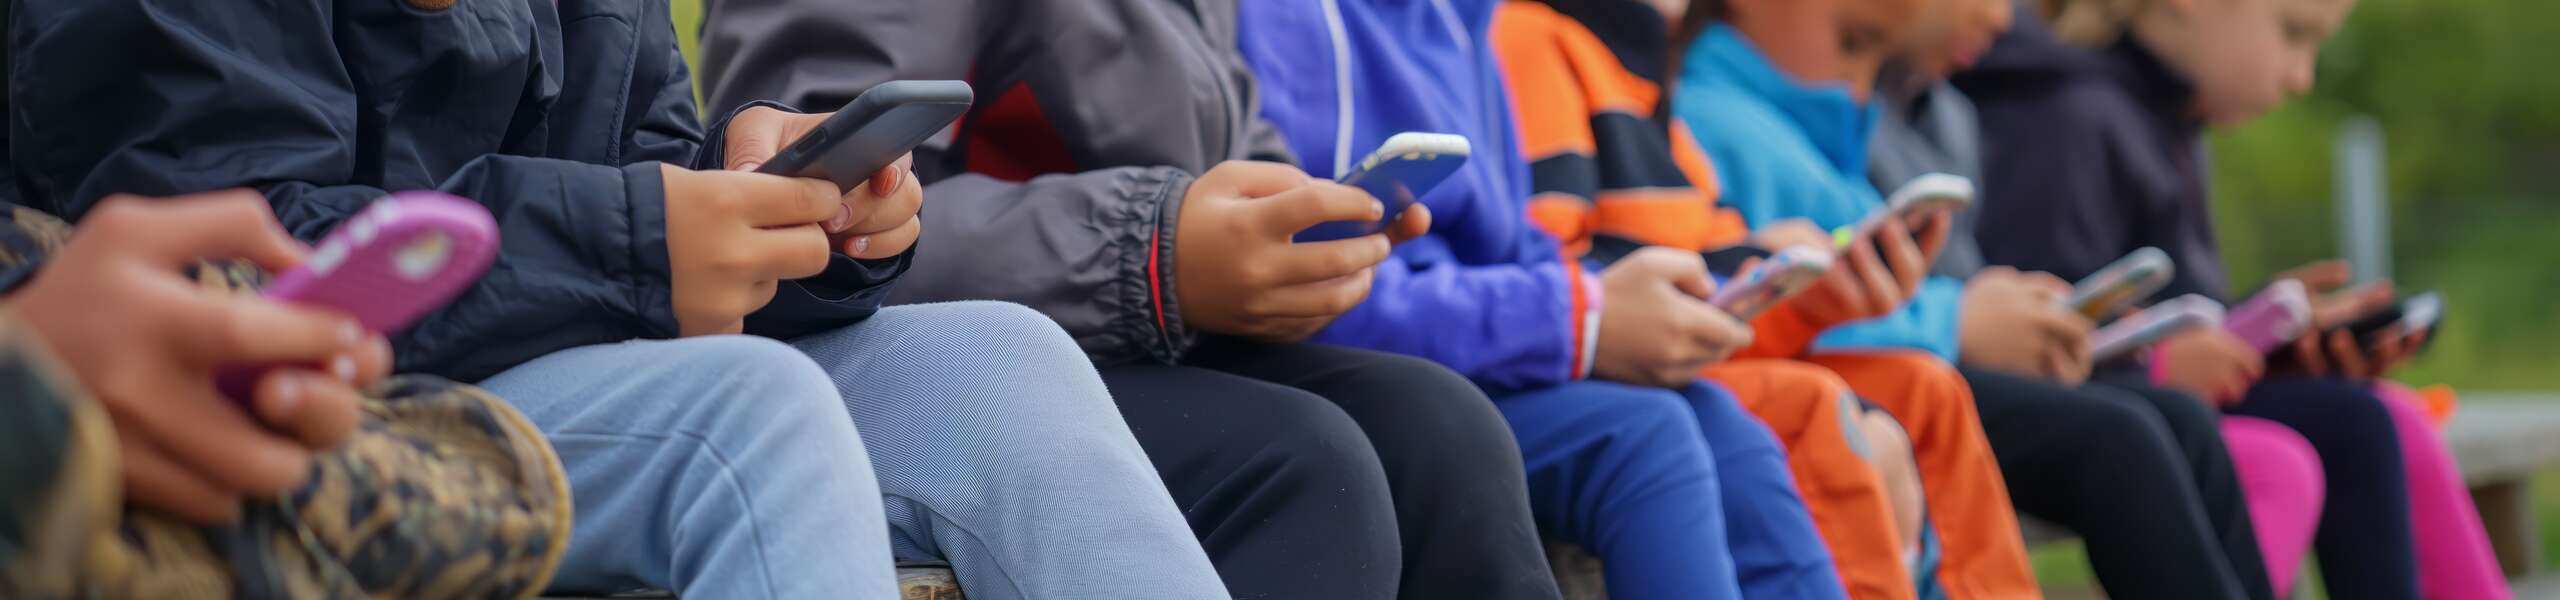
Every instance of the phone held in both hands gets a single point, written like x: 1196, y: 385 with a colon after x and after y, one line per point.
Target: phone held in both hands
x: 1911, y: 203
x: 2120, y: 284
x: 400, y: 257
x: 2171, y: 317
x: 1402, y: 169
x: 2408, y: 316
x: 885, y: 122
x: 2273, y: 318
x: 1773, y: 280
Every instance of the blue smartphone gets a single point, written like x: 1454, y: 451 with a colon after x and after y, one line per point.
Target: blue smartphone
x: 1401, y: 170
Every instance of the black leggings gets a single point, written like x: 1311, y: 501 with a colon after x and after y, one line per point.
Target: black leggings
x: 2140, y: 473
x: 1314, y: 471
x: 2365, y: 546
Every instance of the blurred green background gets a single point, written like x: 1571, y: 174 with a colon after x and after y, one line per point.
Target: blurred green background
x: 2463, y: 91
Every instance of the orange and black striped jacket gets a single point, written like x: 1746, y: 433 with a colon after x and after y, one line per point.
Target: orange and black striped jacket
x: 1612, y: 171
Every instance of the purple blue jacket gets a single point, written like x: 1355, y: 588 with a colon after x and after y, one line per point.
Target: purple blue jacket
x: 1486, y: 292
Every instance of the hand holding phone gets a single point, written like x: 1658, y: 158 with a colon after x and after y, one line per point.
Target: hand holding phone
x: 884, y: 123
x: 400, y: 257
x: 2273, y: 318
x: 117, y: 313
x: 1788, y: 271
x: 2171, y: 317
x: 2121, y: 284
x: 2369, y: 345
x: 1398, y: 173
x: 1912, y: 203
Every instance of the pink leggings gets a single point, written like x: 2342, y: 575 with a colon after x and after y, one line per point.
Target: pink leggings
x: 2282, y: 477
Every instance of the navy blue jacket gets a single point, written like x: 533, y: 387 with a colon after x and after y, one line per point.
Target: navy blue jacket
x: 2089, y: 154
x: 554, y: 116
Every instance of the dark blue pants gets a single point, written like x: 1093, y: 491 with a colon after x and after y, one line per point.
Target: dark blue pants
x: 1681, y: 494
x: 2364, y: 542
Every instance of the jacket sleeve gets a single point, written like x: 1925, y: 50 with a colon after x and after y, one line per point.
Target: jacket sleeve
x: 1091, y: 249
x: 162, y: 97
x: 1506, y: 326
x: 2049, y: 202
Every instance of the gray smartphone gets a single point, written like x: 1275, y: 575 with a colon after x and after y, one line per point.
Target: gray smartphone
x: 883, y: 123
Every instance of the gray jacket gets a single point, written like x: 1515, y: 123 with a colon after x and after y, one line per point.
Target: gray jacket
x: 1925, y: 130
x: 1061, y: 188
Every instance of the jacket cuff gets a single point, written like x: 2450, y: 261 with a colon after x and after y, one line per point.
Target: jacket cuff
x: 1164, y: 306
x: 652, y: 278
x: 1587, y: 299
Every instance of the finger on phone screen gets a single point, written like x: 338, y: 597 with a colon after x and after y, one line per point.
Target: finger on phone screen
x: 1290, y: 212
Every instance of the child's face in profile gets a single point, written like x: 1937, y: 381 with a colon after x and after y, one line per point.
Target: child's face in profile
x: 2249, y: 56
x: 1840, y: 41
x: 1951, y: 34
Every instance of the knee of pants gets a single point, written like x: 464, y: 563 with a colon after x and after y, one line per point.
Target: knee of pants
x: 979, y: 374
x: 1418, y: 410
x: 1728, y: 430
x: 2333, y: 414
x: 749, y: 379
x: 1300, y: 441
x: 1792, y: 398
x: 2196, y: 426
x: 1592, y: 448
x: 2120, y: 430
x: 2276, y: 466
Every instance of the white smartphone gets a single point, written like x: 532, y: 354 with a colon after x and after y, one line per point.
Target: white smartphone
x: 2274, y: 317
x: 2121, y: 283
x: 1403, y: 168
x: 1910, y: 202
x: 1773, y: 280
x: 2171, y: 317
x: 2420, y: 313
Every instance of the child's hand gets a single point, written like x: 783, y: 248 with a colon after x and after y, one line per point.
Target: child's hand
x: 1874, y: 275
x: 2210, y: 363
x: 146, y: 340
x: 2014, y: 322
x: 1236, y: 270
x: 877, y: 220
x: 1790, y: 233
x: 732, y: 237
x: 2323, y: 351
x: 1656, y: 328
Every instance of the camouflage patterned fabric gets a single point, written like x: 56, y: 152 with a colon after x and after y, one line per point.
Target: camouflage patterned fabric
x: 446, y: 492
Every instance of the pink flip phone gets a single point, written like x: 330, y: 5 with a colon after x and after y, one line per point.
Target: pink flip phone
x: 2273, y: 318
x: 405, y: 255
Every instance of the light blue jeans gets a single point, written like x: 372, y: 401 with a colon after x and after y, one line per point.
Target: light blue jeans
x: 726, y: 467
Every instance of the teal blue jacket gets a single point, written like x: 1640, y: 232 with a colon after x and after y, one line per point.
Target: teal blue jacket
x: 1786, y: 149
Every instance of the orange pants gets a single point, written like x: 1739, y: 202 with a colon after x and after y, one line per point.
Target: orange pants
x: 1808, y: 408
x: 1968, y: 502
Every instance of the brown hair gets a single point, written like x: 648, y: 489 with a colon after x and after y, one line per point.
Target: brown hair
x: 1692, y: 24
x: 2089, y: 22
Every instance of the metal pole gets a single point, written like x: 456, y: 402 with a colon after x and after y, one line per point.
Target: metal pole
x: 2364, y: 203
